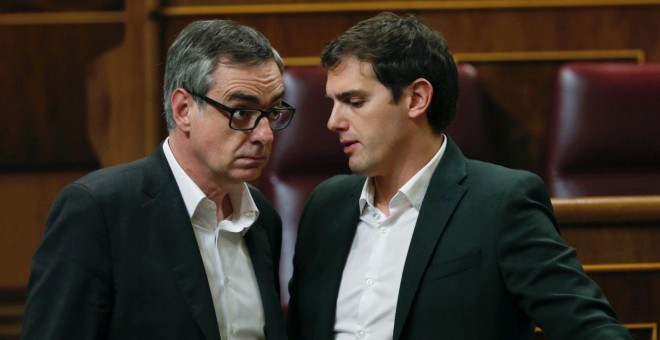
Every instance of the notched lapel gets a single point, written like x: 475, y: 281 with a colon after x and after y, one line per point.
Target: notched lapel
x: 339, y: 235
x: 176, y: 245
x: 257, y: 243
x: 442, y: 196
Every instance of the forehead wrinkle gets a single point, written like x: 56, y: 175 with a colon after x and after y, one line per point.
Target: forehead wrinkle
x: 253, y: 84
x: 243, y: 96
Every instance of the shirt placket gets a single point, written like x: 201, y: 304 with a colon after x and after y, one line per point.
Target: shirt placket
x: 369, y: 301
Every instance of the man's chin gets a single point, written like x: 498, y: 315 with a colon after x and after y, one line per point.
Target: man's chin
x: 248, y: 175
x: 357, y: 169
x: 362, y: 167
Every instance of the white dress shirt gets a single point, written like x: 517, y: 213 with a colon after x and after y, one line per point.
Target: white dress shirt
x: 236, y: 297
x: 369, y: 289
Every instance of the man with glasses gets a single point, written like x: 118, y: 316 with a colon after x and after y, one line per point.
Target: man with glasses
x: 176, y: 245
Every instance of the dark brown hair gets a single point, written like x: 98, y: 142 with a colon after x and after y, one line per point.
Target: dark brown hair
x: 402, y: 49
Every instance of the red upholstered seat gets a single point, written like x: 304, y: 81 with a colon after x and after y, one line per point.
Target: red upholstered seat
x: 604, y: 130
x: 304, y: 154
x: 468, y: 129
x: 307, y: 153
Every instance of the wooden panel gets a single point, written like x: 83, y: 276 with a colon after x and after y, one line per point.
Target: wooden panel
x: 611, y: 229
x: 612, y: 209
x: 12, y: 305
x: 508, y: 30
x: 55, y: 5
x: 26, y: 200
x: 42, y: 94
x: 617, y: 240
x: 635, y: 296
x: 277, y: 6
x: 61, y: 18
x: 124, y: 120
x: 639, y: 331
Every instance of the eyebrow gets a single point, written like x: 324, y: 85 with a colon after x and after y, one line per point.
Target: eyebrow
x: 344, y: 96
x: 252, y: 99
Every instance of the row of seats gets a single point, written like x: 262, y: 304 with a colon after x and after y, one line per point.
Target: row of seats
x: 600, y: 140
x: 603, y: 133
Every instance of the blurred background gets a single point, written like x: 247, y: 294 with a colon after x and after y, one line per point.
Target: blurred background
x: 80, y: 88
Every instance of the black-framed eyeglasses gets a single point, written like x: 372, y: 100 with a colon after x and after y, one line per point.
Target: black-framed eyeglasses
x: 245, y: 119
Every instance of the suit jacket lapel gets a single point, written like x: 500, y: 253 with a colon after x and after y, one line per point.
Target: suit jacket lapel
x: 340, y: 234
x: 176, y: 245
x: 442, y: 196
x: 261, y: 257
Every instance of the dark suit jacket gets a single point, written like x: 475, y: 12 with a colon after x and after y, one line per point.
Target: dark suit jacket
x: 119, y: 260
x: 485, y: 261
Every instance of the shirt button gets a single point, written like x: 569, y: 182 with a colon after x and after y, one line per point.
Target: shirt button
x: 383, y: 230
x: 369, y: 282
x: 361, y: 333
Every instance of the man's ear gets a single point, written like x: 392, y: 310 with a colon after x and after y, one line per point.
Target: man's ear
x: 181, y: 108
x: 421, y: 94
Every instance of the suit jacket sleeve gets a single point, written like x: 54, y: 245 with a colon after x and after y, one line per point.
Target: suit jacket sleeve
x: 544, y: 273
x: 70, y: 290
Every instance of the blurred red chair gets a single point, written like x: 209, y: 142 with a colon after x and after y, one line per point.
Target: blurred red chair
x: 603, y: 131
x: 306, y: 153
x: 469, y: 129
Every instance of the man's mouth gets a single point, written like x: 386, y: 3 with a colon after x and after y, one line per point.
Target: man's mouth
x: 349, y: 146
x: 253, y: 160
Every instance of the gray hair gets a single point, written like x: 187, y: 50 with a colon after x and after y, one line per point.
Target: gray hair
x: 195, y: 54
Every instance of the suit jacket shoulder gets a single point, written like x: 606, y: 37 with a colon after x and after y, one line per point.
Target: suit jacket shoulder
x: 120, y: 260
x: 485, y: 252
x: 338, y: 186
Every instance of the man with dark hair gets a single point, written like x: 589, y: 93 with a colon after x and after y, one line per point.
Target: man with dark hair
x: 176, y: 245
x: 422, y: 243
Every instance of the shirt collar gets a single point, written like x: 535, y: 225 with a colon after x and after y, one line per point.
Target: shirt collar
x: 245, y: 210
x: 414, y: 189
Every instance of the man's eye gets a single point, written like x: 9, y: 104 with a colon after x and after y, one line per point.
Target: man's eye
x: 274, y: 115
x: 242, y: 114
x: 356, y: 103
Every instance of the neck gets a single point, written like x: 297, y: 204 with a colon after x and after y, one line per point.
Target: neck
x: 224, y: 208
x: 213, y: 187
x: 386, y: 186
